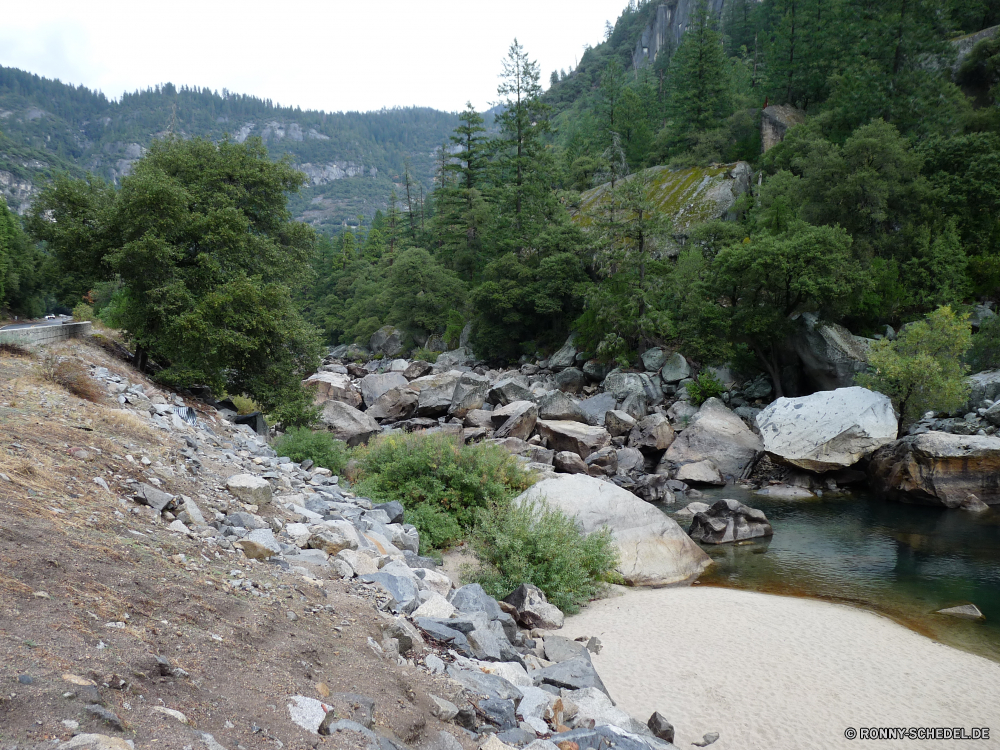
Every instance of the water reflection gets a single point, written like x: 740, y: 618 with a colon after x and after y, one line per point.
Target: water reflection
x: 905, y: 561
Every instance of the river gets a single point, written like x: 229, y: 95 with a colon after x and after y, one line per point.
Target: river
x: 903, y: 561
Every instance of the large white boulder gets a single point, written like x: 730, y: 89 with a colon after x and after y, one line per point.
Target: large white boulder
x: 653, y: 549
x: 347, y: 423
x: 250, y: 488
x: 333, y: 386
x: 828, y: 430
x: 582, y: 439
x: 717, y: 435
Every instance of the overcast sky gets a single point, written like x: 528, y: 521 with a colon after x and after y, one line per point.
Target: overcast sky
x: 334, y: 55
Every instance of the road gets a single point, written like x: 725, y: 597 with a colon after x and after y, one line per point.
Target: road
x: 15, y: 326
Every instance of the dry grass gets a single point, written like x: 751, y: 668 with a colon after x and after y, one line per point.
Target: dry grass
x: 125, y: 424
x: 73, y: 376
x: 14, y: 348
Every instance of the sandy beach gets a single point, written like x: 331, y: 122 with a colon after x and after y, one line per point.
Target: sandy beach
x: 779, y: 673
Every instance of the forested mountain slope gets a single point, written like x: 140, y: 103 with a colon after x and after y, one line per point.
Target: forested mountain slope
x: 352, y: 159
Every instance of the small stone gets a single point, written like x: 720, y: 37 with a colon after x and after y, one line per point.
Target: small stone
x: 435, y: 664
x: 105, y: 715
x: 660, y: 727
x: 707, y: 740
x: 964, y: 611
x: 171, y: 713
x: 445, y: 710
x: 24, y: 679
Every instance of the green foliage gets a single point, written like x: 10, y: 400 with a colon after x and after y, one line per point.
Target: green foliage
x: 425, y: 355
x: 83, y: 312
x: 440, y: 482
x: 533, y: 543
x: 244, y: 404
x: 984, y: 351
x: 705, y: 386
x: 301, y: 443
x: 922, y: 369
x: 20, y: 268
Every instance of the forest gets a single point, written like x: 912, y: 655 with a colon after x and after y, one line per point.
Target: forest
x: 882, y: 206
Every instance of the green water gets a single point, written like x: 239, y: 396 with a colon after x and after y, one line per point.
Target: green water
x: 903, y: 561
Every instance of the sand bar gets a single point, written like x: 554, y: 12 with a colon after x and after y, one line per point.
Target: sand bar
x: 780, y: 673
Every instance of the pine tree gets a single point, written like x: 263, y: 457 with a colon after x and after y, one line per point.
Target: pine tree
x: 700, y: 91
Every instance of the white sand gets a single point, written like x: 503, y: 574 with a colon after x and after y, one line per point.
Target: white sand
x: 780, y: 673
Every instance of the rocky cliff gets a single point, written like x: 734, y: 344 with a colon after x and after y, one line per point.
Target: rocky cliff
x: 664, y: 31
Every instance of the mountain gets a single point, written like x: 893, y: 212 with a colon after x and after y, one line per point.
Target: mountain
x: 353, y: 160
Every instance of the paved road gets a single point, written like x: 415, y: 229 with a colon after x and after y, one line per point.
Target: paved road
x: 40, y: 323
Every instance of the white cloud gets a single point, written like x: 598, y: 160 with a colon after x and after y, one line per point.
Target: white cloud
x: 334, y: 55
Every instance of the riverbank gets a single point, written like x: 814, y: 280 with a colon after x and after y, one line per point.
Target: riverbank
x: 781, y: 673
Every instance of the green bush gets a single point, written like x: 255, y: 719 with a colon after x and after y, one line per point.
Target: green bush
x: 301, y: 443
x: 704, y: 387
x: 533, y: 543
x: 425, y: 355
x: 440, y: 482
x: 83, y: 312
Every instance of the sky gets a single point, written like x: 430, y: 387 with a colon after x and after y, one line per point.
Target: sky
x: 334, y: 55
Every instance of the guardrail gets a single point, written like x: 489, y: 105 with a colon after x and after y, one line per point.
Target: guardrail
x: 48, y: 334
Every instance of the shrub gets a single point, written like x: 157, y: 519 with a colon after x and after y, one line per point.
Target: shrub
x: 425, y: 355
x: 533, y: 543
x: 301, y: 443
x: 922, y: 369
x: 245, y: 405
x: 704, y: 387
x: 13, y: 347
x: 72, y: 376
x: 440, y: 482
x: 984, y: 352
x: 83, y: 312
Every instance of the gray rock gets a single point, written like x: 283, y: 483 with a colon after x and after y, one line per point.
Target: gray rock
x: 471, y: 598
x: 675, y: 369
x: 635, y: 405
x: 394, y: 405
x: 660, y: 727
x: 574, y: 674
x: 245, y: 520
x: 417, y: 369
x: 516, y: 420
x: 979, y: 315
x: 491, y: 685
x: 984, y: 386
x: 729, y: 521
x: 533, y: 609
x: 569, y: 462
x: 700, y: 472
x: 436, y: 392
x: 680, y: 413
x: 470, y: 393
x: 558, y: 648
x: 499, y: 712
x: 445, y: 710
x: 439, y: 630
x: 387, y: 340
x: 347, y: 423
x: 260, y: 544
x: 606, y: 736
x: 716, y: 434
x: 479, y: 418
x: 557, y: 405
x: 964, y: 611
x: 652, y: 433
x: 707, y: 739
x: 461, y: 357
x: 509, y: 390
x: 653, y: 549
x: 401, y: 588
x: 333, y: 386
x: 605, y: 460
x: 108, y: 717
x: 156, y: 499
x: 570, y: 380
x: 829, y: 429
x: 619, y: 423
x: 251, y: 489
x: 596, y: 407
x: 563, y: 435
x: 394, y: 510
x: 375, y: 384
x: 830, y: 354
x: 565, y: 357
x: 596, y: 371
x: 653, y: 488
x: 937, y: 468
x: 653, y: 359
x: 758, y: 388
x: 622, y: 384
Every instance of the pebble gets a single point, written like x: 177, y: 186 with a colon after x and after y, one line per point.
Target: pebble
x: 24, y: 679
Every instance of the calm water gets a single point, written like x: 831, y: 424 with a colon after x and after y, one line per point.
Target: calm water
x: 903, y: 561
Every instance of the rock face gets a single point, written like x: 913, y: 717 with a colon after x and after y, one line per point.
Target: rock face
x: 565, y: 357
x: 716, y: 434
x: 729, y: 521
x: 347, y: 423
x: 375, y: 384
x: 984, y: 385
x: 939, y: 468
x: 250, y: 489
x: 332, y: 386
x: 831, y: 355
x: 828, y: 430
x: 557, y: 405
x: 654, y: 550
x: 580, y: 438
x: 470, y: 393
x: 387, y: 340
x: 394, y: 404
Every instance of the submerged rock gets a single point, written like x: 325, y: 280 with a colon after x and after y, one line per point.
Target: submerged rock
x: 729, y: 521
x: 964, y: 611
